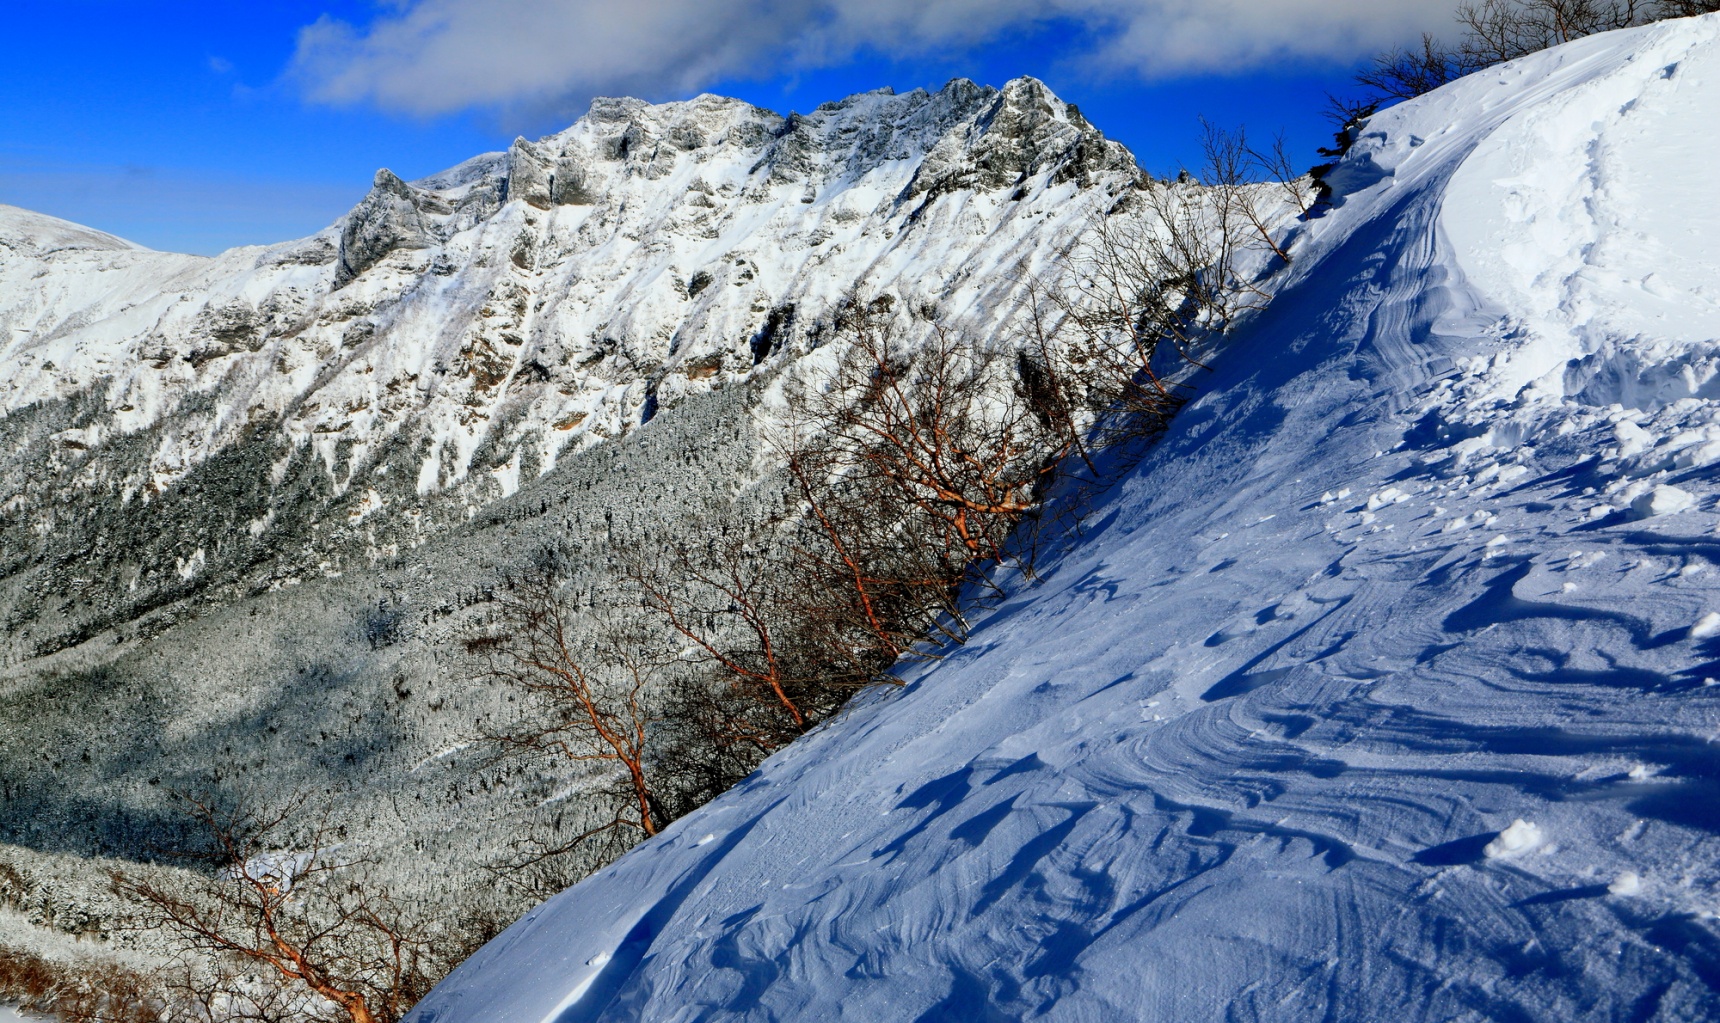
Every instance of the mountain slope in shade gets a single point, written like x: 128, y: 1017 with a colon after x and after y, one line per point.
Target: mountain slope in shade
x: 1383, y: 689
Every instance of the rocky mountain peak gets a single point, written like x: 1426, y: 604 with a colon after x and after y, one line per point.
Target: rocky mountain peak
x: 450, y: 339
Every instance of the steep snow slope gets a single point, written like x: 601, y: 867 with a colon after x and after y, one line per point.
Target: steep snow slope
x: 1382, y: 690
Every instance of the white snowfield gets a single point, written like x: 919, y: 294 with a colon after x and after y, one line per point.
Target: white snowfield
x: 1374, y: 694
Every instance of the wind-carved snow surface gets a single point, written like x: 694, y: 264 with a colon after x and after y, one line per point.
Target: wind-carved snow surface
x: 1368, y: 696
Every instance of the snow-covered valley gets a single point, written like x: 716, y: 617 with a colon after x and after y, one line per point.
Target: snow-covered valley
x: 1383, y: 688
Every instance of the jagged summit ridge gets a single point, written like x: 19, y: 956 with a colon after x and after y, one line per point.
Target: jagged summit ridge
x: 963, y: 136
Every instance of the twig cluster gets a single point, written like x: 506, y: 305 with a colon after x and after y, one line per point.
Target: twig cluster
x: 281, y: 924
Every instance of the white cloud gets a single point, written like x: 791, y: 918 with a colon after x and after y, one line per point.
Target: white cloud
x: 437, y: 56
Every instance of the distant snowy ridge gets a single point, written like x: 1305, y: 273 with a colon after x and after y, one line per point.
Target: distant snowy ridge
x: 556, y: 290
x: 1385, y: 689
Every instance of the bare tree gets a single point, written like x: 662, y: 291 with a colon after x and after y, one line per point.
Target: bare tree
x: 1495, y: 31
x: 1685, y: 8
x: 1172, y: 264
x: 285, y: 899
x: 937, y: 431
x: 745, y: 606
x: 1406, y: 73
x: 1234, y: 179
x: 583, y: 701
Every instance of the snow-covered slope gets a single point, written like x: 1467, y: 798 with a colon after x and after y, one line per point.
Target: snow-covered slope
x: 1382, y: 690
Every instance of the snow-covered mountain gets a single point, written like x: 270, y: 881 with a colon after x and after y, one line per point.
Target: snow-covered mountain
x: 248, y: 503
x: 453, y: 337
x: 1383, y: 689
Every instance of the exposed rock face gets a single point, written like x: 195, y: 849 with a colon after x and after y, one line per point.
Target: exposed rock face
x: 544, y: 179
x: 1023, y: 131
x: 391, y: 217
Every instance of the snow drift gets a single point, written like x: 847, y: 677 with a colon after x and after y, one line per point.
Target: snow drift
x: 1382, y: 690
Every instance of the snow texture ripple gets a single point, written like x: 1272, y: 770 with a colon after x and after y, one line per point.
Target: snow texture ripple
x: 1374, y: 694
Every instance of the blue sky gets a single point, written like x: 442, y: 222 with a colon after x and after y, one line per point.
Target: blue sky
x: 195, y: 125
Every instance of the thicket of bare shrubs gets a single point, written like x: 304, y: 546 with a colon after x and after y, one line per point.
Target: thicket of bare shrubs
x: 1494, y: 31
x: 279, y: 922
x: 89, y: 991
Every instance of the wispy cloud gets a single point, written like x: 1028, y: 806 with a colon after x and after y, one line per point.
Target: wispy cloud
x: 438, y: 56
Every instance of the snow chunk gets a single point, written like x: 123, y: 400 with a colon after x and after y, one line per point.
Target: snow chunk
x: 1627, y: 883
x: 1662, y: 500
x: 1388, y: 496
x: 1706, y: 626
x: 1632, y: 439
x: 1515, y: 840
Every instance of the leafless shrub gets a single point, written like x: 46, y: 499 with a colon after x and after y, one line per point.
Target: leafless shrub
x: 937, y: 439
x: 1685, y: 8
x: 1495, y: 31
x: 737, y: 604
x: 1234, y: 175
x: 92, y: 990
x: 1174, y: 265
x: 592, y: 702
x: 284, y: 924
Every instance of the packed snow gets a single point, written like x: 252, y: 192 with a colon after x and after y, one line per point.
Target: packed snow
x: 1382, y: 689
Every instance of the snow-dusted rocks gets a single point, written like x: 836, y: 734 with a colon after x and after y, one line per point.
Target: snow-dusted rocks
x: 1140, y: 792
x: 391, y: 217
